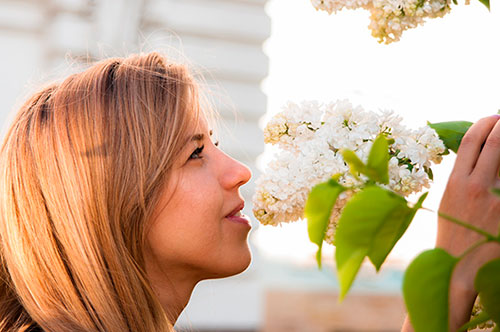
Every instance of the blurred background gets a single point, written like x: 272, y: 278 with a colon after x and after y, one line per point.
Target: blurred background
x: 255, y: 55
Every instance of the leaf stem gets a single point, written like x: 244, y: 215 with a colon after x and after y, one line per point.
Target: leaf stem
x: 427, y: 209
x: 474, y: 246
x: 489, y: 237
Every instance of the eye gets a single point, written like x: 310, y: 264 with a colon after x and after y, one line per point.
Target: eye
x: 216, y: 143
x: 197, y: 153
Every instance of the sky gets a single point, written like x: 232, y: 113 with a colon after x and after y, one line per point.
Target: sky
x: 448, y: 69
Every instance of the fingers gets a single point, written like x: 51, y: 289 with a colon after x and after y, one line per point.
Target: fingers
x: 486, y: 169
x: 470, y: 147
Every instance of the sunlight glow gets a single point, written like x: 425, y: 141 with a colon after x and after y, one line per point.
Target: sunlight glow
x: 447, y: 69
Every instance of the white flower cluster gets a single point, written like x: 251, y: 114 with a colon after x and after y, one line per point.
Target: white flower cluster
x: 478, y: 310
x: 310, y: 137
x: 389, y: 18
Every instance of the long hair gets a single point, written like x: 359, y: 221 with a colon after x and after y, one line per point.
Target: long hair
x: 81, y: 169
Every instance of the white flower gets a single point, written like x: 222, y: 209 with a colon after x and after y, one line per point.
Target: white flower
x: 334, y: 6
x: 311, y: 136
x: 389, y: 18
x: 294, y: 124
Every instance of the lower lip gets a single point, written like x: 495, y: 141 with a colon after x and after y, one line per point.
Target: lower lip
x: 240, y: 220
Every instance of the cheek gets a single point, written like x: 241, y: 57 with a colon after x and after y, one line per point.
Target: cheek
x: 199, y: 208
x: 190, y: 225
x: 190, y: 234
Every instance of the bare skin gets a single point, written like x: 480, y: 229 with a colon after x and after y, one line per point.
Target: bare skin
x: 193, y: 235
x: 467, y: 197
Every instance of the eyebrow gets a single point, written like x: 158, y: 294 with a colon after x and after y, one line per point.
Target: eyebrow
x: 197, y: 137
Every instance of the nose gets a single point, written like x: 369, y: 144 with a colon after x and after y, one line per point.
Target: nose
x: 234, y: 174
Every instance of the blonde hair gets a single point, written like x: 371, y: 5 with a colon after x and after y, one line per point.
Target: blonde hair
x: 81, y: 169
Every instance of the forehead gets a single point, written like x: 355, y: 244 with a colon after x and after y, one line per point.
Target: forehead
x: 196, y: 128
x: 195, y: 134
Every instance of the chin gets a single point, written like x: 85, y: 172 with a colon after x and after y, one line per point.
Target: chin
x: 245, y: 263
x: 234, y: 266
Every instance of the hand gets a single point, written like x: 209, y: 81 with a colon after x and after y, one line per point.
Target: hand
x: 468, y: 198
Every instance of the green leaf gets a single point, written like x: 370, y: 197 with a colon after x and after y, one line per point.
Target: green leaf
x: 318, y: 208
x: 481, y: 318
x: 451, y: 133
x: 370, y: 225
x: 356, y: 166
x: 487, y: 283
x: 392, y: 229
x: 495, y: 191
x: 348, y: 267
x: 425, y: 289
x: 486, y: 3
x: 377, y: 167
x: 378, y: 160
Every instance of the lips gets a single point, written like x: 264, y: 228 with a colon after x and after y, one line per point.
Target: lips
x: 237, y: 217
x: 236, y: 210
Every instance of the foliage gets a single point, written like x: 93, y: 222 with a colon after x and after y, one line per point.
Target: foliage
x: 370, y: 225
x: 425, y: 288
x: 451, y: 133
x: 317, y: 210
x: 375, y: 218
x: 486, y: 283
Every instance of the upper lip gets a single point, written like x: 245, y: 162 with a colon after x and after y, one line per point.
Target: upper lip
x: 238, y: 208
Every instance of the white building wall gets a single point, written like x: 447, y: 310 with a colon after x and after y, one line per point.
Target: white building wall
x: 41, y: 39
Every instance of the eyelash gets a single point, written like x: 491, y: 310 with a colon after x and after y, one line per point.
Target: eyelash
x: 199, y: 150
x: 197, y: 153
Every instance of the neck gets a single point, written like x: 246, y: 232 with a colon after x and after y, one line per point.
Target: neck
x: 173, y: 290
x: 175, y: 299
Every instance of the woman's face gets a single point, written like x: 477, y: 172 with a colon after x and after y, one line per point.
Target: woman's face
x: 197, y: 231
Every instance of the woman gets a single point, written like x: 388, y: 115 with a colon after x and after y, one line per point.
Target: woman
x: 116, y: 203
